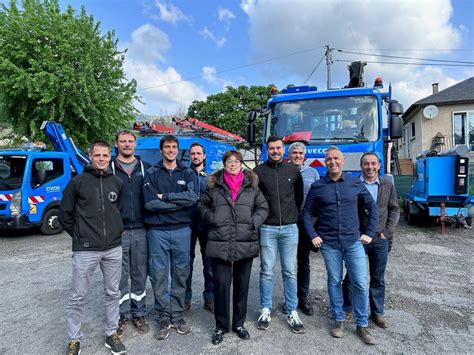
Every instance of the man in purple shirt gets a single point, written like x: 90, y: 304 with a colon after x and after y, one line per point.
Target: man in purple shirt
x: 334, y: 199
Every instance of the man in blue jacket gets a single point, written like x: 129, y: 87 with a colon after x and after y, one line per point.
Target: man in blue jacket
x: 170, y: 193
x: 334, y: 201
x: 131, y: 170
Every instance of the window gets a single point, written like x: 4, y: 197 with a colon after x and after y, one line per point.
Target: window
x: 412, y: 130
x: 45, y: 170
x: 463, y: 128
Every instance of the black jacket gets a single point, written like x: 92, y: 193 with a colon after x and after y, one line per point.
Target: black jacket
x: 90, y: 210
x: 233, y: 225
x: 282, y: 185
x: 132, y: 190
x: 180, y: 193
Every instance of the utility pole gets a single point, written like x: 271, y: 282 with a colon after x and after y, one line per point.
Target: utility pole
x: 328, y: 64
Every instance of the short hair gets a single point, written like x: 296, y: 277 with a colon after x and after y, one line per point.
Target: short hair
x: 369, y: 153
x: 197, y: 144
x: 298, y: 146
x: 272, y: 139
x: 124, y: 131
x: 98, y: 143
x: 168, y: 138
x: 234, y: 153
x: 333, y: 147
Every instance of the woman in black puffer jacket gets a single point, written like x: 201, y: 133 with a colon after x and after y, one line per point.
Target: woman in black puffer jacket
x: 234, y: 208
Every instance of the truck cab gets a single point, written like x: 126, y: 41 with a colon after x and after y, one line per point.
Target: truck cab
x: 31, y: 186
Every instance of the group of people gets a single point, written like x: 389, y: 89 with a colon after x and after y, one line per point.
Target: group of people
x: 137, y: 221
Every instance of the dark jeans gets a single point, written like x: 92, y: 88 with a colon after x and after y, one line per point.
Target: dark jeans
x: 169, y: 255
x: 303, y: 273
x: 377, y: 253
x: 208, y: 293
x: 226, y: 272
x: 134, y: 273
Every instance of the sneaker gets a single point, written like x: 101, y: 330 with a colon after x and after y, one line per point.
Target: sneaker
x: 181, y: 327
x: 295, y: 323
x: 122, y: 325
x: 141, y: 325
x: 73, y: 348
x: 115, y: 345
x: 263, y: 322
x: 162, y: 331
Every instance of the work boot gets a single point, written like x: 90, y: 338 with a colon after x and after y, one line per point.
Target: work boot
x: 306, y: 307
x: 338, y: 330
x: 209, y: 307
x: 73, y: 348
x: 380, y: 321
x: 365, y: 336
x: 141, y: 325
x: 122, y: 325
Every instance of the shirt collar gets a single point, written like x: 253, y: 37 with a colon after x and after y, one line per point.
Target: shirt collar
x: 377, y: 181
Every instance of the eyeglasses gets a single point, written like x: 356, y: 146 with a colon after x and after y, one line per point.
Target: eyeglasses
x: 232, y: 161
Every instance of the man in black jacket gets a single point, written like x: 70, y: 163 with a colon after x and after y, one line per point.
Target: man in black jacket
x: 90, y: 213
x: 282, y: 186
x: 131, y: 170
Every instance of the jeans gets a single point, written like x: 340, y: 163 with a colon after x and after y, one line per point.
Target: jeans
x: 283, y: 239
x: 84, y: 263
x: 354, y: 258
x: 134, y: 273
x: 168, y: 252
x: 208, y: 293
x: 377, y: 253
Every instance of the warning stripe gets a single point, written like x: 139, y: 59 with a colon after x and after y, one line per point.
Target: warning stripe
x: 35, y: 199
x: 5, y: 197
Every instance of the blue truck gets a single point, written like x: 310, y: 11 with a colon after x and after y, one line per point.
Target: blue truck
x: 355, y: 119
x: 32, y: 180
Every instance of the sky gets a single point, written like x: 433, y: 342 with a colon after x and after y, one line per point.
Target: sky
x: 183, y: 50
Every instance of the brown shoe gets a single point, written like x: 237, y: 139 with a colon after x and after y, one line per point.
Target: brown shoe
x: 365, y: 336
x: 209, y: 307
x: 122, y: 326
x: 338, y: 330
x: 380, y: 321
x: 141, y: 325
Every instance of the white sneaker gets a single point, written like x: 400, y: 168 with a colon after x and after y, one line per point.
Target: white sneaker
x: 263, y: 321
x: 295, y: 323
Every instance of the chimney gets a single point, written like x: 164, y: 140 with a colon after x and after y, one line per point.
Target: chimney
x: 435, y: 88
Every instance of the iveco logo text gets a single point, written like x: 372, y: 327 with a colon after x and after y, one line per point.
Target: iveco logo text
x: 316, y: 150
x: 53, y: 188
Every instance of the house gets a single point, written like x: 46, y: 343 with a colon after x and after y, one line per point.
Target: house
x: 439, y: 121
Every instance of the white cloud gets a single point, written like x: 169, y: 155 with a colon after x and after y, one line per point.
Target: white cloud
x: 208, y: 34
x: 169, y: 12
x: 209, y: 75
x: 277, y: 28
x: 147, y: 48
x: 225, y: 16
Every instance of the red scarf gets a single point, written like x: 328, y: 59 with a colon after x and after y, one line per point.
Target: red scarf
x: 233, y: 182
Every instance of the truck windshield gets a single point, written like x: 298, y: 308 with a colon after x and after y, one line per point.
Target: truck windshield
x: 327, y: 120
x: 12, y: 169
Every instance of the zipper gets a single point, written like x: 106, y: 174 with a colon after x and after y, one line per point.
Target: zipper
x: 278, y: 192
x: 131, y: 198
x: 103, y: 209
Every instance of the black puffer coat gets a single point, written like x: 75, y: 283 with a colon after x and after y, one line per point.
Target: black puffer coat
x: 233, y: 225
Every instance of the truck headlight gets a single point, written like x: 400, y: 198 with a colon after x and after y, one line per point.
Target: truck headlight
x: 15, y: 205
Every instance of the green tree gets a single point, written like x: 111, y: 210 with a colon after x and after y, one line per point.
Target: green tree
x: 58, y: 66
x: 228, y: 110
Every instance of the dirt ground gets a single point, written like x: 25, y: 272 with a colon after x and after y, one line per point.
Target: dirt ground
x: 429, y: 303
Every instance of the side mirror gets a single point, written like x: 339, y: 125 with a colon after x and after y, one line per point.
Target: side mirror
x: 396, y: 108
x: 396, y: 127
x: 251, y: 117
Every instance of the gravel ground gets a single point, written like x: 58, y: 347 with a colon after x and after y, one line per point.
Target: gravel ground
x: 429, y: 303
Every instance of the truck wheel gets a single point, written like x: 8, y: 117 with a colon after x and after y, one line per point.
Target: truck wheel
x: 51, y: 223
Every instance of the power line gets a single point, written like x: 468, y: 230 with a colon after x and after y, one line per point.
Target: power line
x: 414, y: 49
x: 316, y: 67
x: 231, y: 69
x: 400, y: 57
x: 410, y: 63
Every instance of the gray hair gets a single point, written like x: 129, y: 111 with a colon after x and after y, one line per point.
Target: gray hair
x: 333, y: 147
x: 298, y: 146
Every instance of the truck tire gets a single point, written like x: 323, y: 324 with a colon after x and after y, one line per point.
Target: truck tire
x: 51, y: 223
